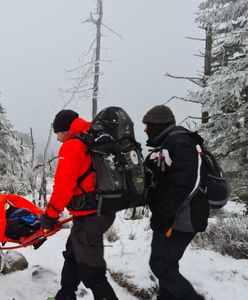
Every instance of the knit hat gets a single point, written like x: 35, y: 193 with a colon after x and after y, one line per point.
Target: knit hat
x: 159, y: 114
x: 63, y: 120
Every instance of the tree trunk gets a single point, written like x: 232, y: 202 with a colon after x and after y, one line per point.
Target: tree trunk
x: 208, y: 51
x: 43, y: 190
x: 205, y: 117
x: 31, y: 175
x: 97, y: 58
x: 207, y: 64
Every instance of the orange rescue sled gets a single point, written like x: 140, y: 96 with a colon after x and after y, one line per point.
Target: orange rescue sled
x: 36, y: 238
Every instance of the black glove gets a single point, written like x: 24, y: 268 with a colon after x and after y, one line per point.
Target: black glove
x: 48, y: 222
x: 160, y: 222
x: 151, y: 196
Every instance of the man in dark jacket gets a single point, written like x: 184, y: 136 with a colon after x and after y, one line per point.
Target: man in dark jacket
x: 84, y: 259
x: 179, y: 211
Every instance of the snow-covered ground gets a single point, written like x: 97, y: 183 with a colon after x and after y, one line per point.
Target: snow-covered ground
x: 217, y: 277
x: 25, y: 285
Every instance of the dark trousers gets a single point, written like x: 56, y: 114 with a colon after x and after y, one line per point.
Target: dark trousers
x: 84, y: 261
x: 164, y: 262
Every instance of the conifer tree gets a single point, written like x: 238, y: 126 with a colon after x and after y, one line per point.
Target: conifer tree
x: 14, y: 158
x: 224, y: 95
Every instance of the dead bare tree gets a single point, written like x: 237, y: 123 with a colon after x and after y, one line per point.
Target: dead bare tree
x: 31, y: 175
x: 90, y: 71
x: 43, y: 186
x: 98, y: 24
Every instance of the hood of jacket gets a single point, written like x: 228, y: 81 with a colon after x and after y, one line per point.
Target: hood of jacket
x: 78, y: 126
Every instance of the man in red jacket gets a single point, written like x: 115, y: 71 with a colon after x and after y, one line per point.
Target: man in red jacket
x: 84, y: 248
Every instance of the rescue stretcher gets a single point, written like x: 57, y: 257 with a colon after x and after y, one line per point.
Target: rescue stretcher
x: 37, y: 237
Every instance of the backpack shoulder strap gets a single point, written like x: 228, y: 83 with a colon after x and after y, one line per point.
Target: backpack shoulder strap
x: 175, y: 132
x: 86, y: 174
x: 90, y: 169
x: 81, y: 137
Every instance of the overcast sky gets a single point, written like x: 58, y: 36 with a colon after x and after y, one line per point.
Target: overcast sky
x: 41, y: 39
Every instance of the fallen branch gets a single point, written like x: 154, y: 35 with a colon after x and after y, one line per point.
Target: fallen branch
x: 140, y: 293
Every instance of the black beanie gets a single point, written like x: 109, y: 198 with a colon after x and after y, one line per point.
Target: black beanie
x: 63, y: 120
x: 159, y: 114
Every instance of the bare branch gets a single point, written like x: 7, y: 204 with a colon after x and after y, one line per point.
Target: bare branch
x: 78, y: 68
x: 92, y: 19
x: 73, y: 93
x: 182, y: 77
x: 196, y: 39
x: 190, y: 117
x: 198, y: 55
x: 86, y: 21
x: 112, y: 31
x: 196, y: 80
x: 45, y: 163
x: 200, y: 118
x: 91, y: 46
x: 180, y: 98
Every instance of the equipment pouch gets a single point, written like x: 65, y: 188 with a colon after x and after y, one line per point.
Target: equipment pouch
x: 83, y: 202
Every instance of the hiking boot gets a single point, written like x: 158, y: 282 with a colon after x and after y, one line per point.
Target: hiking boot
x: 194, y: 296
x: 64, y: 296
x: 104, y: 291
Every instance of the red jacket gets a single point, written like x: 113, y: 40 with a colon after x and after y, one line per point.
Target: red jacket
x: 18, y: 202
x: 74, y: 160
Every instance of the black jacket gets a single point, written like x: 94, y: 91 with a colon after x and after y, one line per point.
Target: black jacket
x: 177, y: 172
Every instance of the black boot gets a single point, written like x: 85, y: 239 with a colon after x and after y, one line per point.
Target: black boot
x: 104, y: 291
x: 62, y: 295
x: 194, y: 296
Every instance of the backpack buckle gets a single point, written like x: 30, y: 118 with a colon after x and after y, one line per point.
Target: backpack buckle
x: 77, y: 203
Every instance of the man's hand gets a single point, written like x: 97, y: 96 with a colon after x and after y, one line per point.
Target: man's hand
x: 48, y: 222
x: 160, y: 222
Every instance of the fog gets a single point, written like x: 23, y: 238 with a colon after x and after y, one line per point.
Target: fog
x: 41, y: 40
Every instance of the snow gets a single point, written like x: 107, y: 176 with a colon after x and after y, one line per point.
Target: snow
x: 26, y: 285
x: 217, y: 277
x: 234, y: 208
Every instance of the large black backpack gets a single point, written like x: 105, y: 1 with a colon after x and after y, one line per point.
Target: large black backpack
x: 20, y: 222
x: 216, y: 186
x: 117, y: 161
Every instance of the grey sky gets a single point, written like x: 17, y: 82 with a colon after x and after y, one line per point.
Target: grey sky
x: 42, y: 39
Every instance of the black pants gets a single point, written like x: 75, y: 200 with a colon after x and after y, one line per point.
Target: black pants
x: 164, y: 262
x: 84, y: 259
